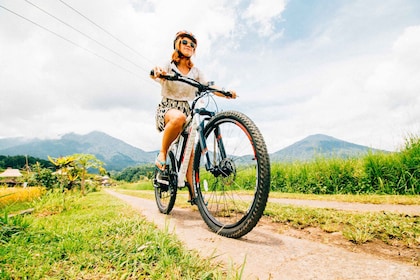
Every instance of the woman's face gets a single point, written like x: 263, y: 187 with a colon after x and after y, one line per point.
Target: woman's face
x: 187, y: 47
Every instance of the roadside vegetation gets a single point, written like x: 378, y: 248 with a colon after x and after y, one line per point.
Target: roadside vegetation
x: 95, y: 237
x: 376, y: 173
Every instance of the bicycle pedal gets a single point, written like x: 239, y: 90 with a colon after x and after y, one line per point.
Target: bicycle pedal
x: 162, y: 179
x: 193, y: 201
x: 162, y: 182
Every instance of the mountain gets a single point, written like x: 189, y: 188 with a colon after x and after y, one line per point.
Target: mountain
x: 319, y: 145
x: 115, y: 153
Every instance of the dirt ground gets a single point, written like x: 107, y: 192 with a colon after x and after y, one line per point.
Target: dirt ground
x: 271, y: 251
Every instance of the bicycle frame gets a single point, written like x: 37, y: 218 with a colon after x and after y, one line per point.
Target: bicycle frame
x: 184, y: 146
x: 185, y: 155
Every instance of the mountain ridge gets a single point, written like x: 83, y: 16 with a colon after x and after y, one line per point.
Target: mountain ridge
x: 320, y: 145
x: 117, y: 154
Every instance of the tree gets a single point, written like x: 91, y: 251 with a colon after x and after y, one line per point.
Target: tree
x: 85, y: 162
x: 64, y: 166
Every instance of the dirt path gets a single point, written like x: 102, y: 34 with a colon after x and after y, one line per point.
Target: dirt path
x: 269, y: 255
x: 352, y: 206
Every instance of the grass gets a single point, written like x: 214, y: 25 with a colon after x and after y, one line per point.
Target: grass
x: 358, y: 228
x: 96, y: 237
x: 359, y: 198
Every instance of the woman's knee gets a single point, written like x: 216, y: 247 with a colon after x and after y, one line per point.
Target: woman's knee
x: 175, y: 117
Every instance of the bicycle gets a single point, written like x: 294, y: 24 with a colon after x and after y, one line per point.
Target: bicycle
x: 230, y: 162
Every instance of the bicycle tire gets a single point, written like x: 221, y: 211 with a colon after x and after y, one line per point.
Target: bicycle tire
x: 222, y: 194
x: 165, y: 195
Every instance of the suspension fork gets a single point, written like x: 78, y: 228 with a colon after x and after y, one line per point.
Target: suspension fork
x: 204, y: 149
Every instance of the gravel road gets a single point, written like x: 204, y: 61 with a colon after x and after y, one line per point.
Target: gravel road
x: 269, y: 255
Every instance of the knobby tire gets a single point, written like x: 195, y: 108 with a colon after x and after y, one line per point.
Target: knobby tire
x: 223, y: 194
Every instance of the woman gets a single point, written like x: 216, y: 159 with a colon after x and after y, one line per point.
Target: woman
x: 174, y: 108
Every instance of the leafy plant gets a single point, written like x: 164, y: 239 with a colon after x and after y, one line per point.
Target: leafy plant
x: 10, y: 227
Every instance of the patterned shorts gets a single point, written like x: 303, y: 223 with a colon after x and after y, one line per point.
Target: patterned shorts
x: 165, y: 105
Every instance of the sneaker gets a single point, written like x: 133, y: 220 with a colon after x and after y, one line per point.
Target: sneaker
x: 162, y: 177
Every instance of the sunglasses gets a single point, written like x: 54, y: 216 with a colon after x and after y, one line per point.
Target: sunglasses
x: 185, y: 42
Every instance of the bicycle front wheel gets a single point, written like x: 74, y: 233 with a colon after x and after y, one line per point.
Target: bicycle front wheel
x: 232, y: 192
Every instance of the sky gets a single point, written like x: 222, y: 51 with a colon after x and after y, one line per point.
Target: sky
x: 348, y: 69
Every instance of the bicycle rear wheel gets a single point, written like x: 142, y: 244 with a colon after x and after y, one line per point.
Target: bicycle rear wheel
x: 232, y: 194
x: 166, y: 186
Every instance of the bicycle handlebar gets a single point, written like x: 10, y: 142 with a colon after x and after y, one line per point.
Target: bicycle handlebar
x: 181, y: 78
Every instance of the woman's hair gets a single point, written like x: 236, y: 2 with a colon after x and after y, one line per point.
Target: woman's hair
x: 177, y: 55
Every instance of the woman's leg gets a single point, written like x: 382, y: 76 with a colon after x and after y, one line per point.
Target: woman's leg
x: 174, y: 121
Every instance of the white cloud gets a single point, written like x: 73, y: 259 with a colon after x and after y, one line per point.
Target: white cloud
x: 263, y: 13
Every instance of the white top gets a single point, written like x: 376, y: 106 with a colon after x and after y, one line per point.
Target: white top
x: 178, y: 90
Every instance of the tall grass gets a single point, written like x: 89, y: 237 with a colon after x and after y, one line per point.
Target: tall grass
x: 332, y: 176
x: 375, y: 173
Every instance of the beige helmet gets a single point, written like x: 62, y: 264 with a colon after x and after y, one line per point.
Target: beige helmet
x: 184, y: 33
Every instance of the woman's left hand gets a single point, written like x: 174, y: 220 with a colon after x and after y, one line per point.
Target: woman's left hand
x: 233, y: 94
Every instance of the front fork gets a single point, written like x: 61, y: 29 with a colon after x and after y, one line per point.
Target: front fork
x: 211, y: 165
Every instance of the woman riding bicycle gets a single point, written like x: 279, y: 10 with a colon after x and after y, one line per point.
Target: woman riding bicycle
x: 174, y: 108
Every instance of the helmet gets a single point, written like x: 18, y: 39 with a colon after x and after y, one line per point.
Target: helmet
x: 184, y: 33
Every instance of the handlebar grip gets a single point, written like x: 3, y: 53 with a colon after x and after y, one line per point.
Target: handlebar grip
x: 164, y: 76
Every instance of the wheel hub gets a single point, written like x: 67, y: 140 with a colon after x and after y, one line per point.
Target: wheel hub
x: 227, y: 167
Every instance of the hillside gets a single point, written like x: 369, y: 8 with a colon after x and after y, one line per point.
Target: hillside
x: 319, y: 145
x: 118, y: 155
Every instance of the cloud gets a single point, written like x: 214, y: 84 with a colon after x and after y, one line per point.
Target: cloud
x: 264, y: 13
x: 395, y: 83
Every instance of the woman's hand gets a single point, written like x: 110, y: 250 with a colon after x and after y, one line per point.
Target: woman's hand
x: 157, y: 72
x: 233, y: 94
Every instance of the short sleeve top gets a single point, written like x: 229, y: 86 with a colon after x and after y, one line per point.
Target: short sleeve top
x: 178, y: 90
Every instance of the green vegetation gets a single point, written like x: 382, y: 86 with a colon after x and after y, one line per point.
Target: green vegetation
x: 19, y: 162
x: 379, y: 173
x: 67, y: 173
x: 356, y: 227
x: 135, y: 174
x: 97, y: 237
x: 359, y: 198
